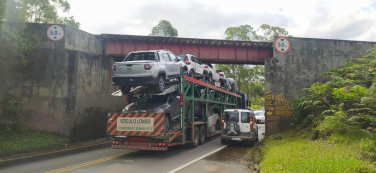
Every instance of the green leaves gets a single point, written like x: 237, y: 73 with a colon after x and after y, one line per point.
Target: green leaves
x: 164, y: 29
x: 344, y: 102
x: 242, y: 32
x: 36, y: 11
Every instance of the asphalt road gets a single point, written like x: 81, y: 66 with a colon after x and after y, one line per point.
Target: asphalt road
x: 120, y: 160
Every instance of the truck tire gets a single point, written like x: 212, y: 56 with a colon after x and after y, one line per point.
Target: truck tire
x: 223, y: 142
x: 202, y: 135
x: 125, y: 90
x: 161, y: 86
x: 251, y: 143
x: 196, y: 138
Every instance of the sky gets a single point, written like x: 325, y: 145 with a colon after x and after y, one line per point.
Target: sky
x: 331, y: 19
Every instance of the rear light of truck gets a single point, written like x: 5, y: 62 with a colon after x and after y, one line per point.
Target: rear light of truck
x: 148, y: 66
x: 221, y: 74
x: 158, y: 144
x: 127, y: 102
x: 113, y: 142
x: 181, y: 99
x: 114, y: 67
x: 251, y: 123
x: 187, y: 62
x: 205, y: 66
x: 223, y: 122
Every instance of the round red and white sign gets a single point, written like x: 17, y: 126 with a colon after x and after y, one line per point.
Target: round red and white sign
x: 282, y: 45
x: 55, y: 32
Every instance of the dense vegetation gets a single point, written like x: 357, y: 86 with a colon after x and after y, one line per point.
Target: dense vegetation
x: 335, y: 124
x: 16, y: 51
x: 343, y: 101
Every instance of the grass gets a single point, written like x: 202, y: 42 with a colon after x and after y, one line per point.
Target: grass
x: 296, y: 153
x: 29, y: 140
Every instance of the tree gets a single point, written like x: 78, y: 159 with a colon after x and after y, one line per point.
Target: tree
x: 269, y: 32
x: 250, y: 79
x: 243, y: 32
x: 164, y: 29
x: 36, y: 11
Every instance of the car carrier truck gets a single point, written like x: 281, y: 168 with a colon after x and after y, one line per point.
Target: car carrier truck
x: 145, y: 130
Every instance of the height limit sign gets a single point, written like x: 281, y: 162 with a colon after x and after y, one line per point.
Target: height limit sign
x: 282, y: 45
x: 55, y: 32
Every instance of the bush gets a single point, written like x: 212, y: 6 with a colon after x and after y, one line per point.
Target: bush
x: 10, y: 114
x: 344, y: 100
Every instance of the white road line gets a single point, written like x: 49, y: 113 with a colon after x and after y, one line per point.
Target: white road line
x: 193, y: 161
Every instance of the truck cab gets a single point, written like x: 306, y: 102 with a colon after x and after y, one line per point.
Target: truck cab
x: 239, y: 125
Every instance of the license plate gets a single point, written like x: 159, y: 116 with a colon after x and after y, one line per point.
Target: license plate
x: 145, y: 144
x: 235, y: 139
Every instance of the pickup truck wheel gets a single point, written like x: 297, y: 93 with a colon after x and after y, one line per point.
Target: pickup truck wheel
x: 202, y: 135
x: 125, y: 90
x: 210, y: 79
x: 196, y: 137
x: 161, y: 84
x: 192, y: 74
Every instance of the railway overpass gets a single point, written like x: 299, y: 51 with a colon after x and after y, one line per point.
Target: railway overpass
x: 207, y: 50
x: 67, y: 84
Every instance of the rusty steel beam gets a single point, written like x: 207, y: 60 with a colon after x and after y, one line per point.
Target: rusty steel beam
x: 214, y: 51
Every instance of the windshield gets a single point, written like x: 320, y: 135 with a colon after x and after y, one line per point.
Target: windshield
x: 142, y: 56
x: 231, y: 116
x: 259, y: 113
x: 182, y: 57
x: 152, y: 99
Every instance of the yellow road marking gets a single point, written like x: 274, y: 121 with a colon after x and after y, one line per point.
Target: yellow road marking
x: 5, y: 160
x: 89, y: 163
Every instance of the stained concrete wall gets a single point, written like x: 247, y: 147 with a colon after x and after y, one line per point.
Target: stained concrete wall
x: 66, y: 85
x: 287, y: 74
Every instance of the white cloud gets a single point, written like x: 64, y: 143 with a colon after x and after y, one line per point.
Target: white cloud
x: 337, y: 19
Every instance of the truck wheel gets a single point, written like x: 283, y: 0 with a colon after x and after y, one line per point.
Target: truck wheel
x: 196, y: 138
x: 161, y: 84
x: 125, y: 90
x: 251, y: 143
x: 202, y: 134
x: 223, y: 142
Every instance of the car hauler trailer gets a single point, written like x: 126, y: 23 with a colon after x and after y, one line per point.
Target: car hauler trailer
x: 146, y: 131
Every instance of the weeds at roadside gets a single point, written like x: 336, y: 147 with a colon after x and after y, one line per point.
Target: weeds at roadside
x: 29, y: 140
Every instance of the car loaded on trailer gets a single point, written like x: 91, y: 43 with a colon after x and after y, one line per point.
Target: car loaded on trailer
x: 186, y: 116
x: 146, y: 68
